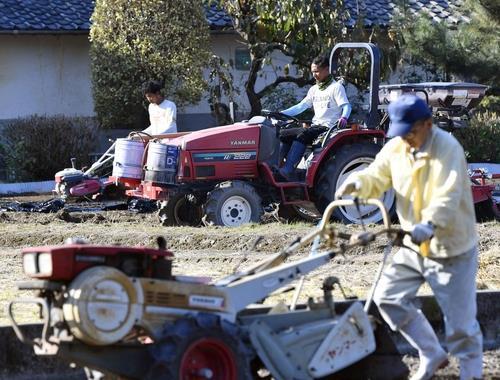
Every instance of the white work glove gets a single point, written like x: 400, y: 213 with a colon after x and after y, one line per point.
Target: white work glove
x: 422, y: 232
x: 348, y: 187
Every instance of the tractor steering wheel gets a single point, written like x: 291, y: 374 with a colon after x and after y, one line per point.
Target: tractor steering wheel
x: 284, y: 119
x: 279, y: 116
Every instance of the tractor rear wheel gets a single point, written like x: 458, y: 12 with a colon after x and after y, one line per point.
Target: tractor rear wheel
x: 487, y: 210
x: 232, y: 204
x: 180, y: 210
x: 201, y: 347
x: 295, y: 213
x: 350, y: 159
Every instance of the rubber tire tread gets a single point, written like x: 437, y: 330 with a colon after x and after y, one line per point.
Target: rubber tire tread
x: 294, y: 214
x: 328, y: 178
x: 288, y: 213
x: 178, y: 336
x: 486, y: 211
x: 166, y: 213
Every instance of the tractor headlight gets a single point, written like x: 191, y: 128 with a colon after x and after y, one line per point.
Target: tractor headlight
x: 45, y: 264
x: 37, y: 264
x: 30, y: 264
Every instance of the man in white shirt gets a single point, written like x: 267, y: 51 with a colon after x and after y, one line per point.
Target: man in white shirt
x: 162, y: 112
x: 331, y: 109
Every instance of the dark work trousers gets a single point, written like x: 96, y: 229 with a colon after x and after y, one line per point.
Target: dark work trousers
x: 304, y: 135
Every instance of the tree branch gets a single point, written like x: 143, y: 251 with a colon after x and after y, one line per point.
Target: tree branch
x: 301, y: 82
x: 265, y: 47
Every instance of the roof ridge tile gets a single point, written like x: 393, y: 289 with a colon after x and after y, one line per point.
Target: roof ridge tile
x: 63, y: 15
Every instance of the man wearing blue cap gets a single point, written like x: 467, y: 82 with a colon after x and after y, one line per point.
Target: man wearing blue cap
x: 426, y: 166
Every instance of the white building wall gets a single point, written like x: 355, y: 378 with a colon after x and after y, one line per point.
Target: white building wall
x: 50, y: 75
x: 225, y: 45
x: 45, y: 74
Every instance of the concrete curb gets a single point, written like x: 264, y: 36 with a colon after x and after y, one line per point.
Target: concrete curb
x: 26, y: 187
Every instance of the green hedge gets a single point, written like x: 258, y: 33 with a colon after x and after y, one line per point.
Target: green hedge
x: 35, y: 148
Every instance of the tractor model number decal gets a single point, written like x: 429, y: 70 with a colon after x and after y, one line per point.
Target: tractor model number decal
x: 91, y: 259
x: 226, y: 156
x: 208, y: 302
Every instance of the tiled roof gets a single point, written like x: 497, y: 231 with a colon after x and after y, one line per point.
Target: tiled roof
x: 374, y: 12
x: 217, y: 18
x: 46, y: 15
x: 74, y: 15
x: 381, y: 12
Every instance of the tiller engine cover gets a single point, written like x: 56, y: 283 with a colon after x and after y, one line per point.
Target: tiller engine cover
x: 103, y: 305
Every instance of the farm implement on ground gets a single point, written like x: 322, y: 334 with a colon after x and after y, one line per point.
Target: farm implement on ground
x: 123, y: 312
x: 73, y: 182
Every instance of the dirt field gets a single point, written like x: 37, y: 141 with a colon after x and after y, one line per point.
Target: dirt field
x: 206, y: 251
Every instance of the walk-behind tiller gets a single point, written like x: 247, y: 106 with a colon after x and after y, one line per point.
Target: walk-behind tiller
x: 121, y: 311
x: 100, y: 178
x: 73, y: 182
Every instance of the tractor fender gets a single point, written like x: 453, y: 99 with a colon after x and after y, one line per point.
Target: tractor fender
x: 342, y: 138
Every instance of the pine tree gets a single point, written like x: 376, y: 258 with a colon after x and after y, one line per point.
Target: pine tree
x: 469, y: 51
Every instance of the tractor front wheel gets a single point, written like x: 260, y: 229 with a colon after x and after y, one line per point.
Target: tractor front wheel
x: 232, y: 204
x: 180, y: 210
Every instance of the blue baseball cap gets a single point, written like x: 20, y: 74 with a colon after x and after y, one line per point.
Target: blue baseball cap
x: 404, y: 112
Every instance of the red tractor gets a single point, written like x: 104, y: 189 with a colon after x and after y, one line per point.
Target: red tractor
x: 226, y: 174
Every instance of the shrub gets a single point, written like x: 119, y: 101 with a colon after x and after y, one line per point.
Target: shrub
x: 35, y: 148
x: 481, y: 139
x: 489, y: 103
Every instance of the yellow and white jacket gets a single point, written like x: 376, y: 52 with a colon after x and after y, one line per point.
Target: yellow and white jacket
x: 431, y: 185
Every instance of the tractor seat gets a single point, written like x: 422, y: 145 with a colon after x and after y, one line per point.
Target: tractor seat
x: 323, y: 139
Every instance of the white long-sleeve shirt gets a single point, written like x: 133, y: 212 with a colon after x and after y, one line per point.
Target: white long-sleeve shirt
x: 162, y: 117
x: 327, y: 104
